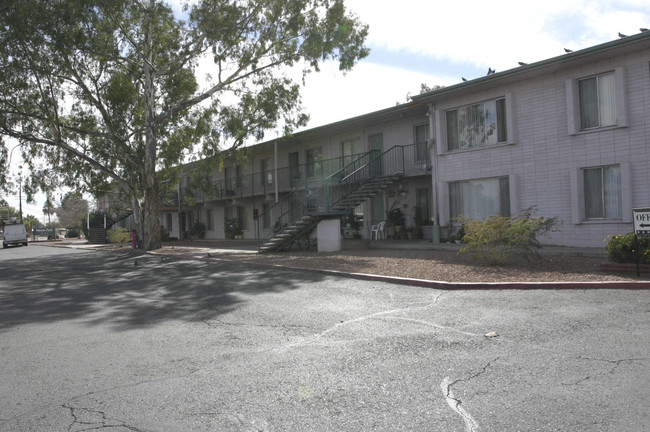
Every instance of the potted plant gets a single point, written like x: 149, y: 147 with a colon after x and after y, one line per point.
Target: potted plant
x: 233, y: 228
x: 395, y: 218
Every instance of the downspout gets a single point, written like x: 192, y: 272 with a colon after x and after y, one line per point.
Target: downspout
x: 434, y: 162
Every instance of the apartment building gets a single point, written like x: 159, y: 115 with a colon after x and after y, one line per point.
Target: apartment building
x: 296, y: 169
x: 569, y: 136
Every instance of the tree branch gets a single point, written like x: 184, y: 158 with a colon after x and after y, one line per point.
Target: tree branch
x: 84, y: 157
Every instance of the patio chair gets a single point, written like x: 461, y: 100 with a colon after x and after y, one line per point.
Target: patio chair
x: 377, y: 231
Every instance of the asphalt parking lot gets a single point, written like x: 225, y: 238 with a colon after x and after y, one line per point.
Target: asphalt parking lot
x: 97, y: 340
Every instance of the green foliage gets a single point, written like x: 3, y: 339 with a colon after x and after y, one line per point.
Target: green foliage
x: 621, y: 249
x: 8, y: 212
x: 395, y: 217
x: 500, y: 239
x: 104, y: 93
x: 233, y: 227
x: 118, y: 236
x: 30, y: 222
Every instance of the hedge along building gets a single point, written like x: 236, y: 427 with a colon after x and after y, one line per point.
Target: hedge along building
x: 568, y: 135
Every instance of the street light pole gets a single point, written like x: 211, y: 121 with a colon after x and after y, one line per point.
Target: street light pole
x: 20, y: 196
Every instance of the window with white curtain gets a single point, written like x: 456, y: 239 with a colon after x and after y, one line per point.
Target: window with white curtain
x: 480, y: 199
x: 477, y: 125
x: 597, y: 101
x: 603, y: 192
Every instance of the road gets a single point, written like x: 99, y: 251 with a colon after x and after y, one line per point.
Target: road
x: 98, y: 341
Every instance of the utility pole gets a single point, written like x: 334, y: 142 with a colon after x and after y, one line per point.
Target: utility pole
x: 20, y: 196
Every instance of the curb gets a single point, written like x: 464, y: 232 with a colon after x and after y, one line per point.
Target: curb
x: 425, y: 283
x: 444, y: 285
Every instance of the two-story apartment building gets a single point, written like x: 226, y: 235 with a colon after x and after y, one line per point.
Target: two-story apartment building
x: 569, y: 135
x: 249, y: 186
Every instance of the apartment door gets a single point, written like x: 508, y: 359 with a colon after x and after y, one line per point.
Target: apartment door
x: 376, y: 144
x: 294, y: 167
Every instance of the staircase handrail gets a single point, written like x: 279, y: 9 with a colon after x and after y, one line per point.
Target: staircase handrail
x: 329, y: 192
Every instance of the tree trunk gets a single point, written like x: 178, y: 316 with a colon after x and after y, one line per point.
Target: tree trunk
x: 151, y: 221
x: 137, y: 218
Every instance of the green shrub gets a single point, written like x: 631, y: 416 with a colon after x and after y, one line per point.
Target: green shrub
x: 620, y: 249
x: 118, y: 236
x: 500, y: 239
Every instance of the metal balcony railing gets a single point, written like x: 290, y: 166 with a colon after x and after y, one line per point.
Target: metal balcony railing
x: 326, y: 197
x: 413, y: 159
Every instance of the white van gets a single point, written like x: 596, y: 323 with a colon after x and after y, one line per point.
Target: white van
x: 14, y: 233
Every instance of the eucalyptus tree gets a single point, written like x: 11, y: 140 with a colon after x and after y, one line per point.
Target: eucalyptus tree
x: 105, y: 93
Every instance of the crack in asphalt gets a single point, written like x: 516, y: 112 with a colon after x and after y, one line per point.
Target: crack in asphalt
x: 437, y: 326
x: 615, y: 364
x: 455, y: 403
x: 103, y: 422
x: 337, y: 326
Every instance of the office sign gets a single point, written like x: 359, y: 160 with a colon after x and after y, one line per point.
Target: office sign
x: 641, y: 221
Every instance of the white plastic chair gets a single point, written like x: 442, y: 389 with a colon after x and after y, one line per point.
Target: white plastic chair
x: 377, y: 231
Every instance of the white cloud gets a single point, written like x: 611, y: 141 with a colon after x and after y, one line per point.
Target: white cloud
x: 330, y: 96
x: 496, y: 33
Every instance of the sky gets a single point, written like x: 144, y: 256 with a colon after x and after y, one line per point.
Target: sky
x: 438, y: 42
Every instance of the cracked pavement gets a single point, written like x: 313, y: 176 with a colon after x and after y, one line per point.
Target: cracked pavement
x: 90, y: 341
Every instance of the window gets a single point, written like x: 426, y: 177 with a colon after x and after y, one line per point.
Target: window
x: 602, y: 189
x: 208, y: 219
x: 421, y: 137
x: 597, y: 96
x: 478, y: 125
x: 350, y: 150
x: 480, y: 199
x: 229, y: 180
x: 314, y: 162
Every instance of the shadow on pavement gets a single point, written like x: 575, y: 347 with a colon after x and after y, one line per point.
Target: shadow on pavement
x: 129, y: 290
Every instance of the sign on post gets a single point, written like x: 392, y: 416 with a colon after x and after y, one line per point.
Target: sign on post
x: 641, y: 221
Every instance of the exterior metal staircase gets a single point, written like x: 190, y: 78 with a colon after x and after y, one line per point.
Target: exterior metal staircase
x: 298, y: 212
x: 112, y: 221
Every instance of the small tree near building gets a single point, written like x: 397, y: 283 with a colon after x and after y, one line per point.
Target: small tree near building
x: 72, y: 211
x: 112, y: 92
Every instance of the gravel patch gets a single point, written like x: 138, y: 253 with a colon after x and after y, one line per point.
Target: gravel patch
x: 433, y: 265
